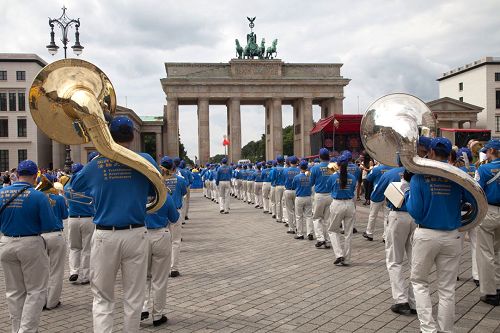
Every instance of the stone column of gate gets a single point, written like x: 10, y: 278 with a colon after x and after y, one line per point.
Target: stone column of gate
x: 338, y: 105
x: 159, y: 153
x: 234, y: 129
x: 203, y: 130
x: 298, y: 149
x: 274, y: 138
x: 327, y: 107
x: 307, y: 124
x: 172, y: 136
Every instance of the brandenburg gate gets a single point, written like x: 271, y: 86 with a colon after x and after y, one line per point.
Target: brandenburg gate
x: 247, y: 81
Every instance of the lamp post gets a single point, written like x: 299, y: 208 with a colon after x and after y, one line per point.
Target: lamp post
x: 64, y: 22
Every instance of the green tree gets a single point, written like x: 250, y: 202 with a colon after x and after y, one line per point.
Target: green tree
x: 288, y: 140
x: 217, y: 158
x: 183, y: 153
x: 256, y: 150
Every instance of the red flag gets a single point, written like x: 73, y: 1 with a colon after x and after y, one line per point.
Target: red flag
x: 225, y: 142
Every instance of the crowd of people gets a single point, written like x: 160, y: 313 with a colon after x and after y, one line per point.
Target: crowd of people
x: 98, y: 213
x: 316, y: 200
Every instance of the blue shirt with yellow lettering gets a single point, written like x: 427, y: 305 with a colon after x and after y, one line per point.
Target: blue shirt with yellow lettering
x: 29, y: 214
x: 224, y: 173
x: 120, y: 193
x: 376, y: 173
x: 162, y: 217
x: 265, y: 175
x: 280, y: 175
x: 178, y: 189
x: 485, y: 173
x: 302, y: 185
x: 341, y: 193
x: 290, y: 174
x: 319, y: 178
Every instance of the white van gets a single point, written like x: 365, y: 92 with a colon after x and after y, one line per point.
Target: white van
x: 244, y: 162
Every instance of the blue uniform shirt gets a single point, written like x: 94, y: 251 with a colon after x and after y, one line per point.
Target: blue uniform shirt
x: 338, y: 193
x: 162, y: 217
x: 376, y: 173
x: 302, y: 185
x: 436, y: 202
x: 265, y: 175
x: 78, y: 206
x: 354, y: 170
x: 60, y: 211
x: 280, y: 176
x: 178, y: 189
x: 120, y: 192
x: 290, y: 174
x: 29, y: 214
x: 258, y: 176
x: 272, y: 176
x: 224, y: 173
x: 393, y: 175
x: 485, y: 173
x: 471, y: 171
x: 187, y: 176
x: 319, y: 178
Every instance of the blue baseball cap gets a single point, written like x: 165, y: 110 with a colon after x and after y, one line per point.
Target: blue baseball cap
x: 317, y: 160
x: 441, y: 144
x: 279, y: 159
x: 466, y: 151
x: 334, y: 160
x: 274, y: 163
x: 293, y: 160
x: 76, y: 167
x: 167, y: 162
x: 324, y: 153
x: 347, y: 154
x: 50, y: 177
x: 303, y: 165
x: 425, y: 142
x: 177, y: 161
x: 182, y: 165
x: 122, y: 129
x: 258, y: 165
x: 27, y: 168
x: 493, y: 144
x: 344, y: 158
x: 92, y: 155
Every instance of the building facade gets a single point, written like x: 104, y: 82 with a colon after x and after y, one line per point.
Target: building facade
x: 477, y: 83
x: 20, y: 139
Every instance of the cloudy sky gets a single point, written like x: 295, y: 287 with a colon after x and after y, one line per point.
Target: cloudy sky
x: 385, y: 46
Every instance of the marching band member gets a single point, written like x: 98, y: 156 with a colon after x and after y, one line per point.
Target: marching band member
x: 272, y: 192
x: 159, y: 260
x: 283, y: 200
x: 258, y: 181
x: 289, y: 195
x: 322, y: 198
x: 80, y: 229
x: 488, y: 233
x: 215, y: 189
x: 342, y: 186
x: 266, y: 187
x: 303, y: 204
x: 250, y: 182
x: 237, y: 181
x: 280, y: 188
x: 244, y: 181
x: 436, y: 240
x: 25, y: 213
x: 119, y: 241
x: 222, y: 180
x: 56, y: 248
x: 188, y: 176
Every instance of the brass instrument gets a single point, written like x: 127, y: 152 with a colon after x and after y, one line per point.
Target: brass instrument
x: 390, y: 130
x: 46, y: 186
x: 332, y: 168
x: 68, y: 101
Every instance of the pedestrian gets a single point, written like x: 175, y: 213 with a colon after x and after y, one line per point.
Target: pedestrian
x: 289, y: 194
x: 266, y: 187
x: 280, y: 188
x: 258, y: 181
x: 223, y: 180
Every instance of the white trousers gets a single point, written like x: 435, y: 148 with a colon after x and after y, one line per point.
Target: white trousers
x: 272, y: 200
x: 113, y: 250
x: 257, y: 190
x: 56, y: 250
x: 250, y: 194
x: 80, y: 232
x: 224, y: 188
x: 472, y: 233
x: 440, y: 248
x: 185, y: 204
x: 341, y: 211
x: 266, y: 191
x: 290, y: 209
x: 159, y: 257
x: 278, y: 199
x: 375, y: 208
x: 25, y: 267
x: 303, y: 215
x: 283, y: 204
x: 215, y: 192
x: 176, y: 234
x: 399, y: 237
x: 488, y: 251
x: 321, y: 215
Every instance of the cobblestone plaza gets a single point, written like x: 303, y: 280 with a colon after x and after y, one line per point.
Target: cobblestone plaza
x: 242, y: 273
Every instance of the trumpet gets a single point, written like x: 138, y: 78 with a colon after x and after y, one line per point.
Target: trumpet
x: 85, y: 199
x: 332, y: 168
x: 47, y: 187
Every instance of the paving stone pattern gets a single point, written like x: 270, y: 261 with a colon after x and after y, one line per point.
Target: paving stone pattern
x: 242, y: 273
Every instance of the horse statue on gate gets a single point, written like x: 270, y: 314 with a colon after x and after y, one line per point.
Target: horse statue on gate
x: 239, y: 49
x: 272, y: 50
x: 252, y: 49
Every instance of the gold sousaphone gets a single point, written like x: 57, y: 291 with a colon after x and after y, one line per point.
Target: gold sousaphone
x: 390, y: 129
x: 68, y: 101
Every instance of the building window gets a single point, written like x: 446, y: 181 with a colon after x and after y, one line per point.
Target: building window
x: 497, y: 99
x: 3, y: 101
x: 461, y: 99
x: 4, y: 159
x: 12, y: 102
x: 21, y: 101
x: 3, y: 75
x: 497, y: 76
x: 21, y: 128
x: 460, y: 86
x: 4, y: 128
x: 497, y: 123
x: 22, y: 154
x: 21, y: 76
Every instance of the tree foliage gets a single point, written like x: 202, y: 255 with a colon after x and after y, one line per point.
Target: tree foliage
x: 256, y: 150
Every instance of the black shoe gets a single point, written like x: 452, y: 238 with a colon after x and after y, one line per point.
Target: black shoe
x: 256, y: 206
x: 310, y: 237
x: 186, y: 218
x: 160, y: 321
x: 365, y: 235
x: 319, y: 244
x: 274, y: 216
x: 174, y: 274
x: 401, y: 308
x: 476, y: 282
x: 413, y: 311
x: 342, y: 232
x: 84, y: 282
x: 290, y: 232
x: 221, y: 211
x: 226, y: 212
x: 55, y: 307
x: 183, y: 223
x: 354, y: 230
x: 264, y: 211
x: 144, y: 315
x: 491, y: 299
x: 299, y: 237
x: 73, y: 277
x: 339, y: 261
x: 286, y: 225
x: 327, y: 246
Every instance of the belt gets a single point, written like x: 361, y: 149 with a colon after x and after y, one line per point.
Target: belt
x: 80, y: 216
x: 342, y: 199
x: 424, y: 227
x: 130, y: 226
x: 20, y: 236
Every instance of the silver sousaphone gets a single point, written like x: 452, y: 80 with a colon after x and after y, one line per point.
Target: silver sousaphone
x: 390, y: 129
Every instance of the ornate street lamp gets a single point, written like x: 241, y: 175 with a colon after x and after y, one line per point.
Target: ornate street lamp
x: 65, y: 23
